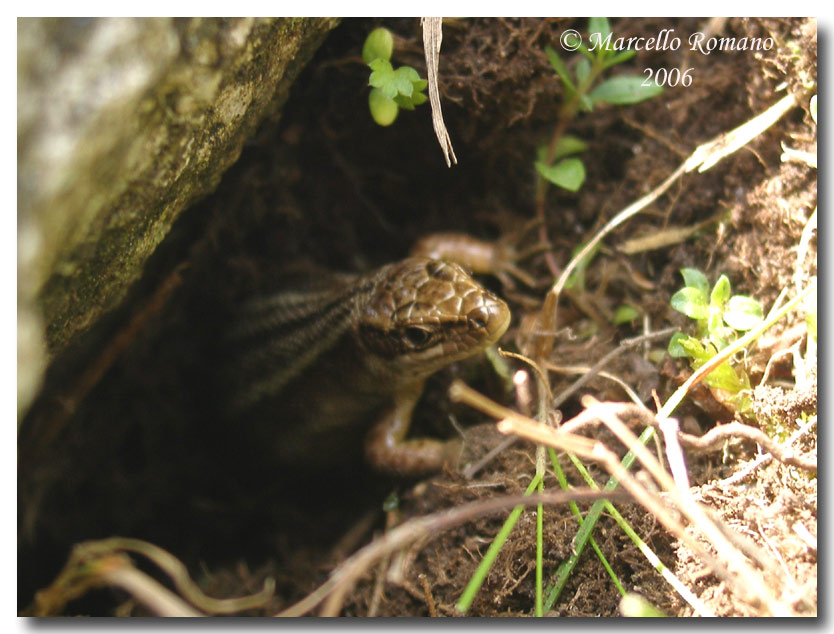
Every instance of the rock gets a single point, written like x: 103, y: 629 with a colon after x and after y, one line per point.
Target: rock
x: 122, y: 124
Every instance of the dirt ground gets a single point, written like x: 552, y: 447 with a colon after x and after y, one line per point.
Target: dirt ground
x: 146, y: 456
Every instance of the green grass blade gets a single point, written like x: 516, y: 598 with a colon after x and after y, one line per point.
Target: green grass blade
x: 539, y: 551
x: 586, y: 530
x: 477, y: 580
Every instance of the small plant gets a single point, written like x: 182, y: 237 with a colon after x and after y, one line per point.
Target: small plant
x: 583, y: 91
x: 576, y: 280
x: 720, y: 318
x: 391, y: 89
x: 625, y: 314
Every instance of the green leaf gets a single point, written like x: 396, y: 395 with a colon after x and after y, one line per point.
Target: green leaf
x: 691, y: 302
x: 583, y: 70
x: 743, y: 401
x: 378, y: 45
x: 416, y: 97
x: 576, y: 280
x: 566, y: 146
x: 695, y: 350
x: 410, y: 102
x: 600, y: 26
x: 383, y: 109
x: 619, y: 58
x: 560, y: 68
x: 720, y: 292
x: 625, y: 314
x: 582, y: 48
x: 743, y: 313
x: 586, y: 103
x: 383, y: 73
x: 381, y: 65
x: 408, y: 73
x: 695, y: 279
x: 624, y: 90
x: 721, y: 336
x: 676, y: 350
x: 568, y: 173
x: 725, y: 377
x: 714, y: 325
x: 402, y: 80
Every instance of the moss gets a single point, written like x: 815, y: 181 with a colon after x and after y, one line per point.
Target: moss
x: 139, y: 162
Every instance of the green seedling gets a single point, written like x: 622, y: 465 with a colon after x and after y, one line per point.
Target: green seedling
x: 576, y: 280
x: 391, y: 88
x: 625, y: 314
x: 719, y: 318
x: 575, y: 285
x: 585, y: 89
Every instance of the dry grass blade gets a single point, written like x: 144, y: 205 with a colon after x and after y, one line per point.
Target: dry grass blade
x: 738, y: 573
x: 149, y: 592
x: 665, y: 237
x: 104, y: 562
x: 554, y: 402
x: 82, y: 574
x: 432, y: 36
x: 709, y: 153
x: 749, y: 584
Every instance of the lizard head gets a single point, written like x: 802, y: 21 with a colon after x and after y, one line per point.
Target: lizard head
x: 424, y: 314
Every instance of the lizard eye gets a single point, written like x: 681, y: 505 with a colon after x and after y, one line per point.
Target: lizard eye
x: 417, y: 336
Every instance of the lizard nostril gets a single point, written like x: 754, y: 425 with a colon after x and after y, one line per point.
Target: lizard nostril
x: 479, y: 318
x: 490, y: 318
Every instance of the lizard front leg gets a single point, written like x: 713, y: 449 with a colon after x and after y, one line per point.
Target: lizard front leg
x: 387, y: 448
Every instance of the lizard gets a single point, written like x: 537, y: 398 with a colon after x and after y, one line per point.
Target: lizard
x: 351, y: 355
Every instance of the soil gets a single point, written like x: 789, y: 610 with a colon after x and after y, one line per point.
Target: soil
x: 140, y: 451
